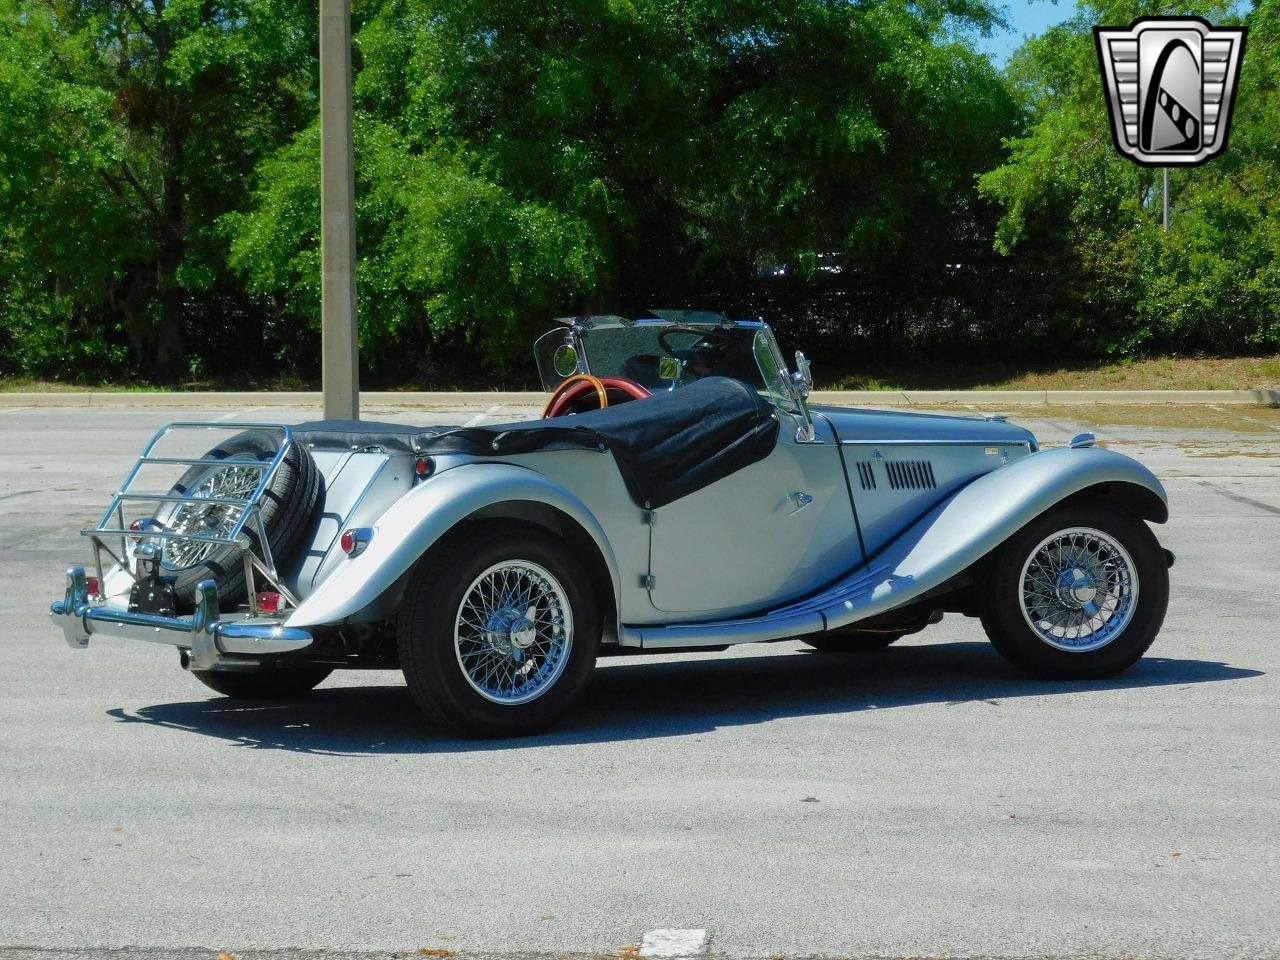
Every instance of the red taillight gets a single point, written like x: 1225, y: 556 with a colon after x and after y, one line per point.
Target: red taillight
x: 269, y: 602
x: 137, y: 525
x: 93, y: 586
x: 354, y: 541
x: 424, y: 466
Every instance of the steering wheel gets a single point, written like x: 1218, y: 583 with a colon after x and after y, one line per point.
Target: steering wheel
x: 581, y: 385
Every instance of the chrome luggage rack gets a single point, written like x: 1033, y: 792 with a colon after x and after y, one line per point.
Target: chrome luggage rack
x: 250, y: 509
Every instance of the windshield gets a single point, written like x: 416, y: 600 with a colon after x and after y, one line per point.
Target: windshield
x: 665, y: 354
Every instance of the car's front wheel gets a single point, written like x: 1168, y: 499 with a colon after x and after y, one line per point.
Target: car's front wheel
x: 1080, y: 592
x: 498, y: 631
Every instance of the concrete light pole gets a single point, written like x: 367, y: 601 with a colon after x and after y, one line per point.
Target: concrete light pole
x: 340, y: 346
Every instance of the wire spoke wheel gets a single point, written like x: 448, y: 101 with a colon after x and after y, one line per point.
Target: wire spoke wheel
x: 513, y: 632
x: 1078, y: 589
x: 232, y: 481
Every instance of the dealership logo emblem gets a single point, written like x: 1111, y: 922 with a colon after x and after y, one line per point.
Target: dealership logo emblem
x: 1171, y: 84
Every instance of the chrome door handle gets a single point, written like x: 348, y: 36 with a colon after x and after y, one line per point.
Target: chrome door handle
x: 801, y: 500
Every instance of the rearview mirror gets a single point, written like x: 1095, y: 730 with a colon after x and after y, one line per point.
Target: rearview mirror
x: 565, y: 360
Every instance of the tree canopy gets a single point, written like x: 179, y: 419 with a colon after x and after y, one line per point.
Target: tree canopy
x: 857, y: 173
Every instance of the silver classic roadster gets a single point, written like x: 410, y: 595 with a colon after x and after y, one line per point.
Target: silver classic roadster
x: 679, y: 492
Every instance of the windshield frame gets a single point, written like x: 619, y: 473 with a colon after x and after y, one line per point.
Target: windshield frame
x: 577, y: 331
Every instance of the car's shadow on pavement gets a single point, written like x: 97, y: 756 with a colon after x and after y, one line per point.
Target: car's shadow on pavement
x: 636, y: 698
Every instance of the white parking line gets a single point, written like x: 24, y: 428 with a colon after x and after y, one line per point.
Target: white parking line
x: 671, y: 944
x: 13, y: 409
x: 1264, y: 423
x: 480, y: 417
x: 236, y: 413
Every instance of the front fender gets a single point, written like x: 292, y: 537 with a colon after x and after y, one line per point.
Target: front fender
x: 963, y: 529
x: 423, y: 516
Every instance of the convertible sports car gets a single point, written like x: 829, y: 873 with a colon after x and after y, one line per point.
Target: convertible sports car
x: 679, y: 492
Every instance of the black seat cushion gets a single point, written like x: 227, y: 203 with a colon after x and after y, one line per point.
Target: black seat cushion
x: 666, y: 446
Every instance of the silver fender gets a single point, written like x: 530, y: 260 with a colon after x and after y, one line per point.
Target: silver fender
x: 420, y: 518
x: 943, y: 543
x: 960, y: 531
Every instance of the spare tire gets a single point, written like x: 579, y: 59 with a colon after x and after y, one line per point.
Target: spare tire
x: 287, y: 509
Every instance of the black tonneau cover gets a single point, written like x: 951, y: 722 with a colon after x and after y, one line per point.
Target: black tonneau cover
x: 666, y: 446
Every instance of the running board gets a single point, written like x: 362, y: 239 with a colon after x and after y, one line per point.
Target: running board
x: 842, y: 602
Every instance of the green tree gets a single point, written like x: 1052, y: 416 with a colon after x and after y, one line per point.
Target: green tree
x: 516, y: 161
x: 129, y: 126
x: 1084, y: 223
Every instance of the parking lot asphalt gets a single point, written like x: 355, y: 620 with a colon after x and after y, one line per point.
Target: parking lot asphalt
x: 922, y: 800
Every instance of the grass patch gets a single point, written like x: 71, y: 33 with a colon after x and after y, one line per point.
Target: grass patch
x: 926, y: 373
x: 1158, y: 373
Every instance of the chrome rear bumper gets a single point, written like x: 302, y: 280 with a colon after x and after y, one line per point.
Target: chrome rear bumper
x: 213, y: 643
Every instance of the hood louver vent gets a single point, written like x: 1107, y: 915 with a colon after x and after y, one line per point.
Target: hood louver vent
x: 866, y: 475
x: 910, y: 474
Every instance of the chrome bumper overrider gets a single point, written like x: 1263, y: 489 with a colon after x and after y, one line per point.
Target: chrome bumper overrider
x: 213, y: 643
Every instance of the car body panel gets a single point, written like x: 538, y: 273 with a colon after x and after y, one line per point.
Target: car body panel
x: 359, y: 487
x: 949, y: 538
x: 425, y: 514
x: 762, y: 535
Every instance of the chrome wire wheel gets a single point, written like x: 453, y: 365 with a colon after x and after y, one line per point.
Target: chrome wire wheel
x: 1078, y: 589
x: 513, y: 632
x: 232, y: 481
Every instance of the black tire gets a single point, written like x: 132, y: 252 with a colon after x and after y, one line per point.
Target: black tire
x: 1000, y: 587
x: 265, y: 683
x: 836, y: 641
x: 433, y: 599
x: 287, y: 510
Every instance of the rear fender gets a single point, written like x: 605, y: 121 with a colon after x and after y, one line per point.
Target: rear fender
x: 424, y: 515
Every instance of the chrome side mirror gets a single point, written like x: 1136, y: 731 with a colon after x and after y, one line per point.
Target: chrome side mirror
x: 802, y: 381
x: 802, y: 378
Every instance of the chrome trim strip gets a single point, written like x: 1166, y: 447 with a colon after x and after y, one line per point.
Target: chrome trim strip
x: 935, y: 443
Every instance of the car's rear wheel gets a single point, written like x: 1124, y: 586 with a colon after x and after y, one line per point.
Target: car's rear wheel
x: 1080, y: 592
x: 266, y: 683
x: 498, y: 631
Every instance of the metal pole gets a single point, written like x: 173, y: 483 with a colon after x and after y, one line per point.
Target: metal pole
x: 340, y: 346
x: 1166, y: 199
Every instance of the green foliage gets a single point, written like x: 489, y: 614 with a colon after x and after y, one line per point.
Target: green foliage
x: 126, y: 129
x: 519, y: 161
x: 854, y: 172
x: 1212, y: 283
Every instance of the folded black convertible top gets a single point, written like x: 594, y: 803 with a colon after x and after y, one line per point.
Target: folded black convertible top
x: 666, y: 446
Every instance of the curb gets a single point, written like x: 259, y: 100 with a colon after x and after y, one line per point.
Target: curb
x: 479, y: 398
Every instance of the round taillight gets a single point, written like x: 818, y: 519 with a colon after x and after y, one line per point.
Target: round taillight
x: 424, y: 467
x: 354, y: 541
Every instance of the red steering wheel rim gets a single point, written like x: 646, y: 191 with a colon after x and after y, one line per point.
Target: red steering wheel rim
x: 562, y: 403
